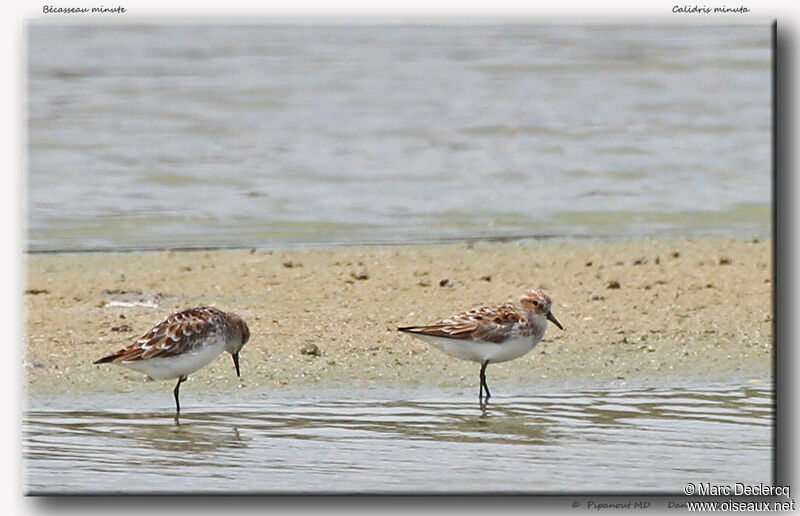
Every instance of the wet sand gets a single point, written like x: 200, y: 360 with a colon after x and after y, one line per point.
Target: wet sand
x: 660, y: 311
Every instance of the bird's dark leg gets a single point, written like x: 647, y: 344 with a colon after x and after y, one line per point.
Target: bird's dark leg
x: 176, y: 393
x: 484, y: 385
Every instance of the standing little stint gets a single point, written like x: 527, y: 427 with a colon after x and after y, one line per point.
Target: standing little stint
x: 497, y: 333
x: 183, y: 343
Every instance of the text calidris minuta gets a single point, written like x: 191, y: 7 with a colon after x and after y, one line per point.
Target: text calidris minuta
x: 183, y: 343
x: 496, y: 333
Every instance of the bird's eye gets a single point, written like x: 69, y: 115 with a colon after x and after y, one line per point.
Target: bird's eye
x: 535, y: 303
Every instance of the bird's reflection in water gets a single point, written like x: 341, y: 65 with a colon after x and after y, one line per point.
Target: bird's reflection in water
x: 193, y: 433
x: 458, y: 421
x: 483, y: 403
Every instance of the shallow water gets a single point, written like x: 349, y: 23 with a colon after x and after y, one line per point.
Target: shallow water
x: 149, y: 136
x: 625, y: 439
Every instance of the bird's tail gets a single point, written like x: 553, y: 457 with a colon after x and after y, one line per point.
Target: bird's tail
x: 409, y: 329
x: 109, y: 358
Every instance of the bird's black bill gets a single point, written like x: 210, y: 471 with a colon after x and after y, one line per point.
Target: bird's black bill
x: 552, y: 319
x: 236, y: 362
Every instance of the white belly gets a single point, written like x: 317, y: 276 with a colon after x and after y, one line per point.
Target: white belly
x: 181, y: 365
x: 480, y: 352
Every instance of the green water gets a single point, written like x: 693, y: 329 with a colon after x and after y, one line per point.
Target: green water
x: 268, y: 135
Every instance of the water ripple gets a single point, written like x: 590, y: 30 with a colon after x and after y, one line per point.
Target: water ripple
x: 352, y: 130
x: 647, y: 439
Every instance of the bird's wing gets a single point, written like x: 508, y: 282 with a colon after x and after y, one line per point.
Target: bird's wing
x: 173, y: 336
x: 489, y: 323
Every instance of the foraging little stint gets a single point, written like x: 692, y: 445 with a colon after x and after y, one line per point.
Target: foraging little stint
x: 183, y: 343
x: 497, y: 333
